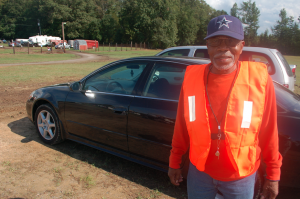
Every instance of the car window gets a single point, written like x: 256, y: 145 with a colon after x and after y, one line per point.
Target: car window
x: 165, y: 81
x: 201, y: 53
x: 285, y: 64
x: 258, y: 57
x: 120, y: 78
x: 178, y: 52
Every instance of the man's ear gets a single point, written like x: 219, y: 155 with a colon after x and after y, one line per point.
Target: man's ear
x: 243, y: 42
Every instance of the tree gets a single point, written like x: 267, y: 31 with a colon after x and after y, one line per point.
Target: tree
x: 188, y: 21
x: 234, y: 10
x: 249, y: 15
x: 286, y: 31
x: 149, y: 21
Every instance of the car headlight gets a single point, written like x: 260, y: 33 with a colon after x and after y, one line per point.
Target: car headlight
x: 31, y: 96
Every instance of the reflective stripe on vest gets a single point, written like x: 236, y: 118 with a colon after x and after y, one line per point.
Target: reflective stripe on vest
x: 242, y: 119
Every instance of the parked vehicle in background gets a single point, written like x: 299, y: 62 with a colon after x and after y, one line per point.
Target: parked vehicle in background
x: 39, y: 40
x: 278, y: 67
x: 18, y: 44
x: 61, y: 46
x: 11, y: 44
x: 4, y: 41
x: 71, y: 43
x: 293, y: 67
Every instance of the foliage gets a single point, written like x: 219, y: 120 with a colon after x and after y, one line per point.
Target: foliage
x: 248, y: 13
x: 287, y: 33
x: 158, y: 23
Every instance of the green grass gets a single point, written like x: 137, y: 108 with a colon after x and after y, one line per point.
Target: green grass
x: 14, y: 75
x: 8, y: 58
x: 295, y: 60
x: 125, y: 54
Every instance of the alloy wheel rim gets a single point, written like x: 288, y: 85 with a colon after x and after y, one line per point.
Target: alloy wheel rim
x: 46, y: 125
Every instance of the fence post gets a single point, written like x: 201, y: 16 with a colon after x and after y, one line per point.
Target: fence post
x: 28, y: 48
x: 109, y: 47
x: 116, y: 46
x: 41, y: 48
x: 103, y: 46
x: 14, y: 49
x: 95, y: 46
x: 121, y: 47
x: 135, y: 46
x: 144, y: 45
x: 131, y: 45
x: 141, y: 46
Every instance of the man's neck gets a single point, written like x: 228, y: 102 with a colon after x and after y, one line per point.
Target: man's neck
x: 222, y: 72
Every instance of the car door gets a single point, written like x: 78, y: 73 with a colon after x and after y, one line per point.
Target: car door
x: 98, y: 112
x: 152, y: 114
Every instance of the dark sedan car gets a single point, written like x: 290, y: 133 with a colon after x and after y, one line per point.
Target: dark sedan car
x: 128, y: 108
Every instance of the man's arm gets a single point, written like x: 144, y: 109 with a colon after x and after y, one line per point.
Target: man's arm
x: 180, y: 143
x: 268, y: 142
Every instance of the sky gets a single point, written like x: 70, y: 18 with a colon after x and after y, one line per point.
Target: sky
x: 269, y: 10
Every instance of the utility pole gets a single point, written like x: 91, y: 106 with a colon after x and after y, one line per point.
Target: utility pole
x: 63, y: 33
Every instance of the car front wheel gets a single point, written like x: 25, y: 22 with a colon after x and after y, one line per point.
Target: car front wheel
x: 47, y: 124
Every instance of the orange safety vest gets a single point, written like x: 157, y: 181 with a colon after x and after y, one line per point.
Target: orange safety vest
x: 241, y: 134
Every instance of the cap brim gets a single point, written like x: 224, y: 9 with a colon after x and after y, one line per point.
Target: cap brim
x: 226, y: 33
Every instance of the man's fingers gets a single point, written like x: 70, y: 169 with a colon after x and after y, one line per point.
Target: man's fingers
x: 175, y: 176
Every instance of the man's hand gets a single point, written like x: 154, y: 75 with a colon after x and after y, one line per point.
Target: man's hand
x: 270, y: 190
x: 175, y: 176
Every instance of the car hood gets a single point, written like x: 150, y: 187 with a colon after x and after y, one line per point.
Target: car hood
x: 59, y: 85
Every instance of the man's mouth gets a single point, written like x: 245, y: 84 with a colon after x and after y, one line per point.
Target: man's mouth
x: 225, y: 58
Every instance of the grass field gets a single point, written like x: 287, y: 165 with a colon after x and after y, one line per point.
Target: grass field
x: 14, y: 75
x: 8, y: 58
x: 125, y: 54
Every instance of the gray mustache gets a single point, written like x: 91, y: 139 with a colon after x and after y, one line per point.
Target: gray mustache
x: 220, y: 55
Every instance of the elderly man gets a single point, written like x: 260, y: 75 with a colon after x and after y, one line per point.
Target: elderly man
x: 227, y: 119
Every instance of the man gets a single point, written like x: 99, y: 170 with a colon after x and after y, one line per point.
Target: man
x: 227, y: 118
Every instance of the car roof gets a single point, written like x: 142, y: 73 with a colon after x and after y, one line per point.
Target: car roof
x: 246, y: 48
x: 187, y: 60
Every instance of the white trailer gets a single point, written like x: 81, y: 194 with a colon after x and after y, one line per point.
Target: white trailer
x: 42, y: 40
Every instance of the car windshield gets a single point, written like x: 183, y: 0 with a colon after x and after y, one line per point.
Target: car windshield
x: 285, y: 97
x: 285, y: 64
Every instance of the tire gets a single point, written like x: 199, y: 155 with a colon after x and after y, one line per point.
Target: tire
x: 47, y: 124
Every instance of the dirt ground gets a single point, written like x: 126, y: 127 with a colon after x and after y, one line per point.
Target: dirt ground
x: 31, y: 169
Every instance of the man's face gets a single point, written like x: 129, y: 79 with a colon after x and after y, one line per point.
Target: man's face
x: 224, y: 54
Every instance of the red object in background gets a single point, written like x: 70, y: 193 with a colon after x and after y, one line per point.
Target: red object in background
x: 57, y: 41
x: 83, y: 47
x: 92, y: 43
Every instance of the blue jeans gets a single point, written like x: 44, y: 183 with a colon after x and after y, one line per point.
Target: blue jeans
x: 201, y: 186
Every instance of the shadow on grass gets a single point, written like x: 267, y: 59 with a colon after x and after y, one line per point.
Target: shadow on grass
x: 147, y: 177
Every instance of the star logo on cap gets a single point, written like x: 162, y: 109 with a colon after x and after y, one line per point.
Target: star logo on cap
x: 224, y: 22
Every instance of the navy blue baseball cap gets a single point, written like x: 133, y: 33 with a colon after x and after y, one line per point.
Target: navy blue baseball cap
x: 225, y: 25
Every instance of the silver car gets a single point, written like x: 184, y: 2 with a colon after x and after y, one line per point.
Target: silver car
x: 278, y: 67
x: 61, y: 46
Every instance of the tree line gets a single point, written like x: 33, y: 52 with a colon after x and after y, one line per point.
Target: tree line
x: 159, y: 23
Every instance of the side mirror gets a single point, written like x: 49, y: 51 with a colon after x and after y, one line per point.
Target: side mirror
x: 75, y: 86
